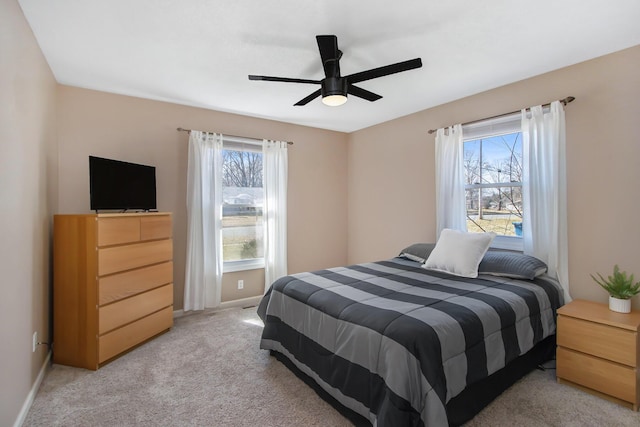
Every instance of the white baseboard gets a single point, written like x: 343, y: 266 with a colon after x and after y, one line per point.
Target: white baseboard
x: 32, y: 393
x: 244, y: 302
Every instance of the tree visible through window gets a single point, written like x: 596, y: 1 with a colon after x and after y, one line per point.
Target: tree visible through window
x: 242, y: 231
x: 493, y: 178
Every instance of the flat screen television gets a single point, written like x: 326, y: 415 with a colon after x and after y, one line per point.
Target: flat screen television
x: 118, y: 185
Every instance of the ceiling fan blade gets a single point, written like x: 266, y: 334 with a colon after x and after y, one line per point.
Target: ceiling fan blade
x: 306, y: 100
x: 282, y: 79
x: 362, y: 93
x: 384, y: 71
x: 330, y: 55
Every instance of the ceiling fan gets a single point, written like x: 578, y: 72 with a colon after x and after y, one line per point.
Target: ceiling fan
x: 334, y: 87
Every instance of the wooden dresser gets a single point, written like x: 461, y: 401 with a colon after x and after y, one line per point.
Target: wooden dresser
x: 112, y: 285
x: 598, y: 351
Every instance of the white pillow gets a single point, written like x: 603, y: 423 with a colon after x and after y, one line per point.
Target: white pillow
x: 459, y: 253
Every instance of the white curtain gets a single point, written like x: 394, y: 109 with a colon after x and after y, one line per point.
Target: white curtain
x: 203, y: 276
x: 274, y: 156
x: 450, y: 198
x: 544, y: 188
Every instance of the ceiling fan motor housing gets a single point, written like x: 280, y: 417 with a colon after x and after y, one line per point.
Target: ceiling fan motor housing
x: 334, y: 86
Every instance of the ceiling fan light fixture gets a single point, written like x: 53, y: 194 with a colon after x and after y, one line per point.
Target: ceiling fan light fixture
x: 334, y: 100
x: 334, y: 91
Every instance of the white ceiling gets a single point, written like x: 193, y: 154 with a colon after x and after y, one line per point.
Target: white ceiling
x: 199, y: 52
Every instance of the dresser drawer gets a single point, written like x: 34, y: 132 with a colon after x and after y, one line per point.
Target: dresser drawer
x: 122, y: 285
x: 155, y: 227
x: 597, y: 374
x: 116, y: 231
x: 128, y: 310
x: 122, y: 339
x: 607, y: 342
x: 122, y: 258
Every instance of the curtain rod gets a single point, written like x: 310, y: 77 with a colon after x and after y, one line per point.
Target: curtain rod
x: 565, y: 101
x: 224, y: 134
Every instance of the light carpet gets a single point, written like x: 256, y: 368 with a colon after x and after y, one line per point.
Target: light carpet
x: 209, y: 371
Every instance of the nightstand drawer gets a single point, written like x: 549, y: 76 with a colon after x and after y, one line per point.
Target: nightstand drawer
x: 597, y: 374
x: 607, y: 342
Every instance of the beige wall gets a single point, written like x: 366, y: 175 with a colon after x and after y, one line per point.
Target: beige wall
x: 391, y: 168
x: 28, y: 185
x: 143, y: 131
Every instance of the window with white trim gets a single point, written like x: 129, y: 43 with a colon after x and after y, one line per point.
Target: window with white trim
x: 243, y: 195
x: 493, y: 179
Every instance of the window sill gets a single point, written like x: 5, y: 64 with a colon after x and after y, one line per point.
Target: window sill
x: 247, y: 264
x: 508, y: 242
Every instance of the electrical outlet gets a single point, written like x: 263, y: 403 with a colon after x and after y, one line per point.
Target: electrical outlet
x: 34, y: 342
x: 240, y: 284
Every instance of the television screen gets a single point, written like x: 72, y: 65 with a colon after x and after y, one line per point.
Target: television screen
x: 114, y: 184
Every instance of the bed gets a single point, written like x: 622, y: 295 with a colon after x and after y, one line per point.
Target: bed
x: 396, y: 344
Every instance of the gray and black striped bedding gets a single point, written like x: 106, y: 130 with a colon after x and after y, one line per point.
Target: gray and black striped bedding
x: 395, y: 342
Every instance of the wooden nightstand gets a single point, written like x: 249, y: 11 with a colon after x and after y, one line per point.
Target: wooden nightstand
x: 598, y: 351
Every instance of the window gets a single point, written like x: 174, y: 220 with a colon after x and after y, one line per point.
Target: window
x: 242, y: 194
x: 493, y: 179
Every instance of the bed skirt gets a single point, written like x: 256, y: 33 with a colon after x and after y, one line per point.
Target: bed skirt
x: 468, y: 403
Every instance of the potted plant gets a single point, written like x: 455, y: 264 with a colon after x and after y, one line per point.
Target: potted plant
x: 620, y: 288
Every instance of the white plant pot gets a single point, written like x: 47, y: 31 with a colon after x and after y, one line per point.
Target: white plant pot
x: 619, y: 305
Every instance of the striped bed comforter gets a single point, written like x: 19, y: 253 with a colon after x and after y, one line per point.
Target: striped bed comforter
x: 395, y: 342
